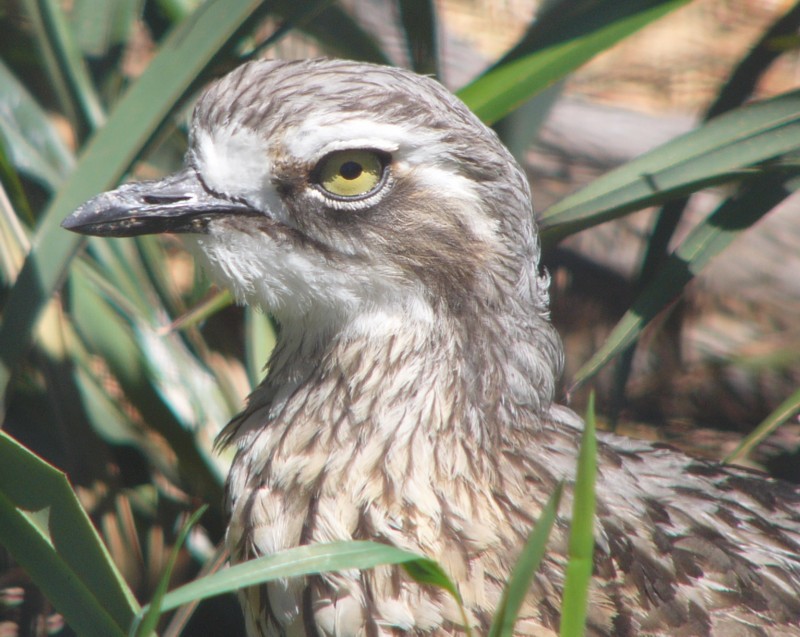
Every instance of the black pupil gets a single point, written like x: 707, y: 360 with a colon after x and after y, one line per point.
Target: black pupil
x: 351, y: 170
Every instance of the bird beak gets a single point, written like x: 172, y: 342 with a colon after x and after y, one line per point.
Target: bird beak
x: 178, y: 203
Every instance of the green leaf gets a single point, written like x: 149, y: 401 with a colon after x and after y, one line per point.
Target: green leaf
x: 581, y: 534
x: 184, y: 56
x: 555, y: 47
x: 519, y: 583
x: 296, y: 562
x: 30, y: 138
x: 176, y: 10
x: 171, y: 388
x: 429, y: 573
x: 723, y: 149
x: 101, y: 25
x: 149, y: 619
x: 44, y: 527
x: 65, y: 65
x: 786, y: 410
x: 219, y: 300
x: 705, y: 241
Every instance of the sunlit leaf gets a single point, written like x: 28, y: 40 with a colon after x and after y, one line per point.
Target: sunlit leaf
x: 723, y: 149
x: 552, y: 50
x: 47, y: 531
x: 704, y: 242
x: 304, y: 560
x: 29, y: 136
x: 183, y: 57
x: 581, y: 534
x: 518, y: 585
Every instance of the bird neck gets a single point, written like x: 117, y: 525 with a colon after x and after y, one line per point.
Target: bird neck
x: 391, y: 373
x: 434, y: 394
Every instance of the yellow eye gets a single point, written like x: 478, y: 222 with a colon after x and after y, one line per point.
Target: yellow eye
x: 350, y: 173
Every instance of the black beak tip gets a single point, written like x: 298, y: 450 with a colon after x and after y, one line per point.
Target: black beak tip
x: 88, y: 216
x: 103, y: 216
x: 72, y: 223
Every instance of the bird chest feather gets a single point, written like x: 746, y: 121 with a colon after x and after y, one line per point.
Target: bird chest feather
x: 410, y: 399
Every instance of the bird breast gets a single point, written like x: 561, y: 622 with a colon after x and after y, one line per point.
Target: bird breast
x: 403, y: 458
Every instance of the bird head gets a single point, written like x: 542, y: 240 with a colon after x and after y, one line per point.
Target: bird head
x: 341, y: 195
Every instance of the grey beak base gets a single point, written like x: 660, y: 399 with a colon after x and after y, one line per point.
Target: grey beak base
x: 179, y: 203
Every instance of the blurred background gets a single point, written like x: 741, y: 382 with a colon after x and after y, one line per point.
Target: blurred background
x: 121, y: 363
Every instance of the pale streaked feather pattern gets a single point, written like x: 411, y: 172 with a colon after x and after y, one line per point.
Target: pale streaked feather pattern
x: 410, y: 397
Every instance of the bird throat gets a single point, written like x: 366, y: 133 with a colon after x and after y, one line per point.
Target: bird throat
x: 383, y: 406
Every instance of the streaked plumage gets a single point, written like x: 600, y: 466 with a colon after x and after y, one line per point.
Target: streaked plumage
x: 410, y: 397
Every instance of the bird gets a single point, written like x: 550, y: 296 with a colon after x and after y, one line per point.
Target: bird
x: 411, y: 398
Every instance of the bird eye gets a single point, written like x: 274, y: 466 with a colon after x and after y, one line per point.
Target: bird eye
x: 351, y: 173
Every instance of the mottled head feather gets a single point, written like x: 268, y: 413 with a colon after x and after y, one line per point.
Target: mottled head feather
x: 452, y: 233
x: 410, y: 398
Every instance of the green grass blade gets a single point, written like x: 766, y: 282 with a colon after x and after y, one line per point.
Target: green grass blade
x: 15, y: 204
x: 529, y: 68
x: 176, y: 10
x: 519, y: 583
x: 47, y: 531
x: 581, y: 535
x: 705, y: 241
x: 786, y: 410
x: 219, y: 300
x: 429, y: 573
x: 72, y: 66
x: 741, y: 83
x: 172, y: 388
x: 65, y: 65
x: 103, y: 25
x: 177, y: 623
x: 722, y: 149
x: 149, y: 619
x: 158, y: 374
x: 185, y: 55
x: 304, y: 560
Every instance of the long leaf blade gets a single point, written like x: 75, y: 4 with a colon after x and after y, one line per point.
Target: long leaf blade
x: 513, y: 81
x: 787, y: 409
x: 296, y: 562
x: 581, y: 534
x: 32, y: 141
x: 184, y: 56
x: 705, y: 241
x: 519, y: 583
x: 149, y: 619
x: 49, y: 533
x: 722, y: 149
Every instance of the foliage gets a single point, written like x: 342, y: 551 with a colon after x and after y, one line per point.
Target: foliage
x: 121, y: 374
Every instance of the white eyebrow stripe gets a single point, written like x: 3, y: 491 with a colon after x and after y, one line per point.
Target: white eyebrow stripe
x: 357, y: 143
x: 318, y: 136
